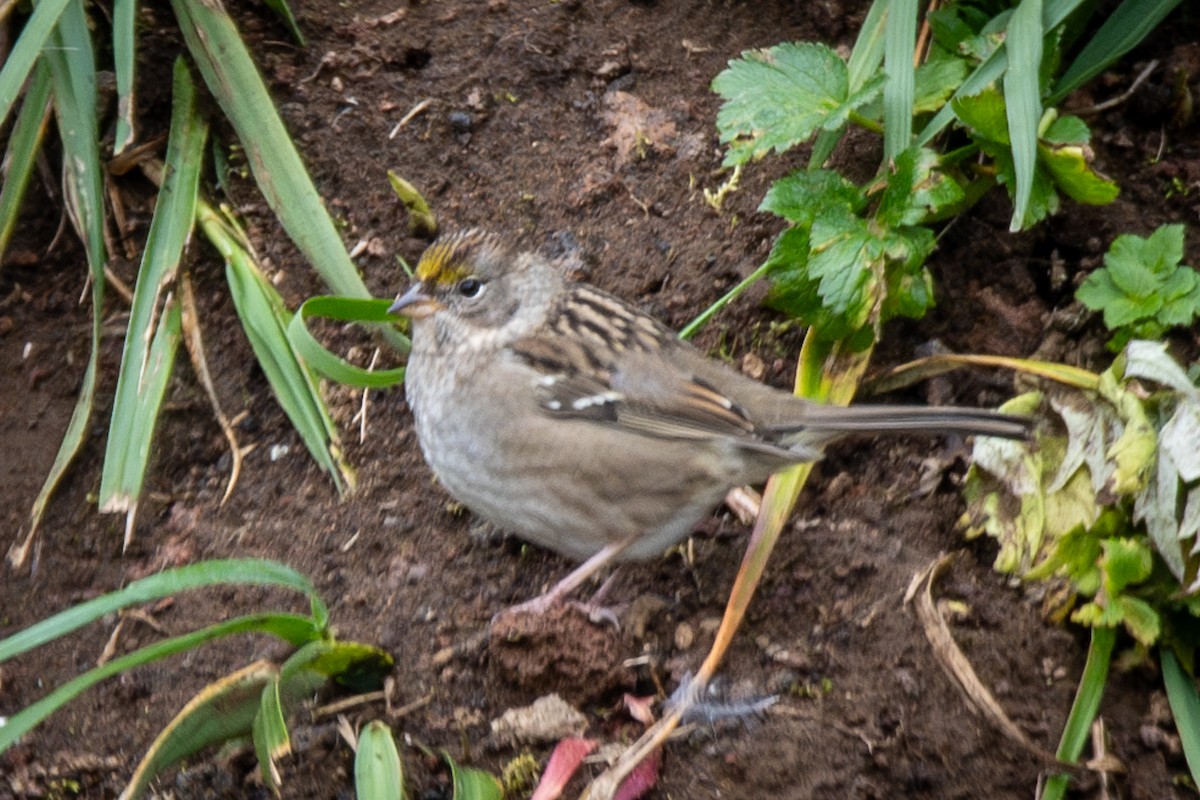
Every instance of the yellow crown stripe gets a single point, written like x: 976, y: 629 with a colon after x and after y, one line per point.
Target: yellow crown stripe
x: 449, y: 259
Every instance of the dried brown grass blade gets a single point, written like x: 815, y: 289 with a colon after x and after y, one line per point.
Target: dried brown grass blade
x: 980, y: 699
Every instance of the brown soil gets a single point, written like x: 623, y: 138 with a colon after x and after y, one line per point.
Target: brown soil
x: 524, y: 135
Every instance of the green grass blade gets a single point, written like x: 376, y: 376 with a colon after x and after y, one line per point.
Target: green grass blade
x: 154, y: 322
x: 865, y: 59
x: 21, y: 58
x: 73, y: 73
x: 252, y: 571
x: 124, y: 43
x: 1023, y: 100
x: 900, y: 41
x: 690, y: 330
x: 265, y: 320
x: 1185, y: 707
x: 21, y: 152
x: 1083, y: 710
x: 284, y: 11
x: 270, y: 734
x: 993, y: 67
x: 473, y: 784
x: 378, y: 774
x: 290, y: 627
x: 1119, y: 34
x: 328, y: 364
x: 223, y: 710
x: 234, y: 81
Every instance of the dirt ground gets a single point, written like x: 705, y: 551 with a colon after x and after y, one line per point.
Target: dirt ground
x: 524, y: 133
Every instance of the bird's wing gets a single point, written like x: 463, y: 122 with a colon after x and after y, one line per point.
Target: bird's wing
x: 601, y: 361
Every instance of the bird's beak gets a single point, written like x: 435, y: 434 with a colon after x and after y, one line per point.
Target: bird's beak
x: 415, y: 304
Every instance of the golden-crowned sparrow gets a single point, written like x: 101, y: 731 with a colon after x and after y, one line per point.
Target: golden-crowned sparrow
x: 569, y: 418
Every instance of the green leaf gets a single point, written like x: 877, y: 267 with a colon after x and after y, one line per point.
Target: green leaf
x: 1185, y: 707
x: 1142, y: 288
x: 917, y: 189
x: 1083, y: 710
x: 223, y: 60
x: 155, y: 318
x: 19, y: 61
x: 253, y: 571
x: 993, y: 67
x: 936, y: 80
x: 898, y: 89
x: 984, y: 114
x: 290, y: 627
x: 284, y: 10
x: 331, y: 366
x: 21, y: 152
x: 842, y: 254
x: 124, y: 45
x: 378, y: 774
x: 793, y: 290
x: 72, y: 64
x: 473, y: 784
x: 1023, y: 101
x: 1125, y: 561
x: 1120, y: 33
x: 270, y: 734
x: 223, y: 710
x: 776, y: 99
x: 863, y: 65
x: 1140, y: 619
x: 1068, y: 166
x: 800, y: 196
x: 265, y: 321
x: 1067, y: 129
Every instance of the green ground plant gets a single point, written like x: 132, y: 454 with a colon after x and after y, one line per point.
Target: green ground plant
x: 968, y: 105
x: 1143, y: 289
x: 51, y: 73
x: 250, y: 704
x: 1102, y: 507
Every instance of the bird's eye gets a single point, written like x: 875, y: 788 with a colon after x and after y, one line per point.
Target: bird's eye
x: 470, y: 287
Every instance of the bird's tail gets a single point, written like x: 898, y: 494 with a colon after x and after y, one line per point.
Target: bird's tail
x: 834, y: 420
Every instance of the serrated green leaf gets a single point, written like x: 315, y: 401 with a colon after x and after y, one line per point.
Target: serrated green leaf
x: 793, y: 290
x: 841, y: 259
x: 1163, y: 249
x: 984, y: 115
x: 916, y: 189
x: 1067, y: 129
x: 799, y: 196
x: 1133, y: 269
x: 1068, y: 166
x: 936, y: 80
x: 776, y: 99
x: 1140, y: 619
x: 1125, y: 561
x: 1098, y: 290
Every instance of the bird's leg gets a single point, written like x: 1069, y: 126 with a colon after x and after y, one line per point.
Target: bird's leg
x: 543, y: 602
